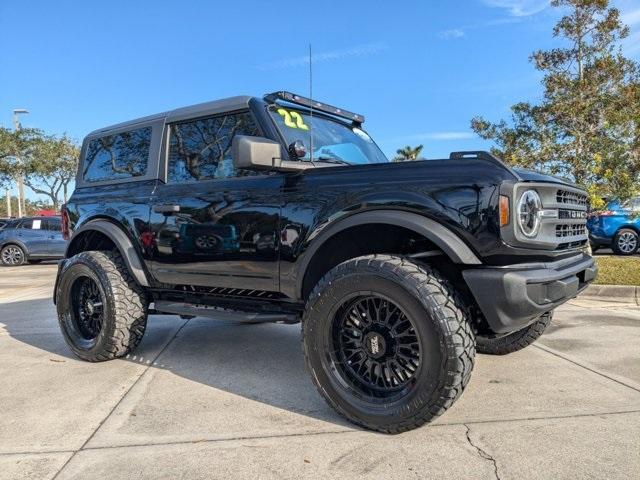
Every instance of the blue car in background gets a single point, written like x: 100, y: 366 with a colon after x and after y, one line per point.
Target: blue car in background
x: 617, y: 227
x: 31, y: 239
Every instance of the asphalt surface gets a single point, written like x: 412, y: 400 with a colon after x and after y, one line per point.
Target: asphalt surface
x: 207, y: 399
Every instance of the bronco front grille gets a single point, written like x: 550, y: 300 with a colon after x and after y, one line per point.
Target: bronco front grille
x: 563, y: 225
x: 571, y: 230
x: 567, y: 197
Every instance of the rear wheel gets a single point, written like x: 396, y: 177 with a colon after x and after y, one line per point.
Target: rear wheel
x: 101, y: 310
x: 514, y: 341
x: 12, y: 256
x: 625, y: 242
x: 387, y: 342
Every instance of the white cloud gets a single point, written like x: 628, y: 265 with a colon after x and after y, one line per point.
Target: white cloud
x: 519, y: 8
x: 631, y: 45
x: 631, y: 18
x: 329, y: 56
x: 436, y: 136
x: 452, y: 33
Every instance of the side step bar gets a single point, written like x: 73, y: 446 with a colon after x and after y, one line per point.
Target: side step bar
x: 197, y: 310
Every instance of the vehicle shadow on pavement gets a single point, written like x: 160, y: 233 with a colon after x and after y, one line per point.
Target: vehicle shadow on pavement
x: 260, y: 362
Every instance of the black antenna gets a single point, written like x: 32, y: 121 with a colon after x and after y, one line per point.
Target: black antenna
x: 311, y: 98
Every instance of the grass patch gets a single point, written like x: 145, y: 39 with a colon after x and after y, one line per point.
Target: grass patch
x: 618, y: 270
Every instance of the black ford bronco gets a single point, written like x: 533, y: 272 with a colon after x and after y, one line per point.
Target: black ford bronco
x: 283, y: 209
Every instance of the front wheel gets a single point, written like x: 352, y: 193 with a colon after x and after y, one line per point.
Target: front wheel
x: 12, y: 256
x: 514, y: 341
x: 625, y: 242
x: 387, y: 342
x: 101, y: 310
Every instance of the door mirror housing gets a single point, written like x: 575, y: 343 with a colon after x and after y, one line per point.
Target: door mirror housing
x: 259, y: 153
x: 255, y: 153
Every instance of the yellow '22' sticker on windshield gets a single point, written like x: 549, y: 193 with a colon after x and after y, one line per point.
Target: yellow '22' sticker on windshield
x: 292, y: 119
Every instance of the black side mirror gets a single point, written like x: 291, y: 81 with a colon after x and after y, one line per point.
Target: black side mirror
x: 297, y: 149
x: 260, y: 153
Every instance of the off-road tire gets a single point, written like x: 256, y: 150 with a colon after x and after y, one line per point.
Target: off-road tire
x: 125, y: 312
x: 442, y: 328
x: 617, y: 239
x: 514, y: 341
x: 6, y: 249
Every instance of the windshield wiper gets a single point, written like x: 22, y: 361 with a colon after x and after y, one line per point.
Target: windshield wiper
x: 331, y: 160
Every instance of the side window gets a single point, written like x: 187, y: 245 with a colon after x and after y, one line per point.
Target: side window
x: 122, y: 155
x: 25, y: 224
x: 201, y: 149
x: 53, y: 224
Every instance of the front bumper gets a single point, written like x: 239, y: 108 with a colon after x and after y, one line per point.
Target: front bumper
x: 514, y: 296
x: 600, y: 241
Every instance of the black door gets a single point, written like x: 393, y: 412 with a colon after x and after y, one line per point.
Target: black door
x: 214, y: 225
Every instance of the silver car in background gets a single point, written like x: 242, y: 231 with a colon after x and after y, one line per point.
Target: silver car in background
x: 31, y: 239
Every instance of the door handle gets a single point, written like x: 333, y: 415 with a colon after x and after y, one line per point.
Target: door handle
x: 166, y: 209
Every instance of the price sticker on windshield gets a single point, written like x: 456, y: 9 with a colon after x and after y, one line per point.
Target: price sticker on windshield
x: 292, y: 119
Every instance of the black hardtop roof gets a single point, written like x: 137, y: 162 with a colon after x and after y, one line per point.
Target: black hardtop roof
x: 192, y: 111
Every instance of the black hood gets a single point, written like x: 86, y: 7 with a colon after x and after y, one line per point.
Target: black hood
x: 532, y: 176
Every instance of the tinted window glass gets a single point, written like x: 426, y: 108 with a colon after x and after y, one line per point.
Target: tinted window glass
x: 123, y: 155
x: 53, y: 224
x: 201, y: 149
x: 26, y: 224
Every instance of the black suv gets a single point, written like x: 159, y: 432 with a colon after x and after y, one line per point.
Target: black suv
x: 283, y: 209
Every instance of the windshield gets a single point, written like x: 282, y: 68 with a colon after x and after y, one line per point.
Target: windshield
x: 332, y: 140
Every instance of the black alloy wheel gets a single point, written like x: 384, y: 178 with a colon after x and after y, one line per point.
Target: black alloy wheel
x: 375, y: 347
x: 87, y: 304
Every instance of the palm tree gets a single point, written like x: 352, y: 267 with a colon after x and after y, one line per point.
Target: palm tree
x: 408, y: 153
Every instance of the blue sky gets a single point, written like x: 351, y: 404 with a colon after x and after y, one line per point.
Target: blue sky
x: 418, y: 70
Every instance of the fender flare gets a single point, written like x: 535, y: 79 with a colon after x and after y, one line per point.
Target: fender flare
x: 123, y: 244
x: 450, y: 243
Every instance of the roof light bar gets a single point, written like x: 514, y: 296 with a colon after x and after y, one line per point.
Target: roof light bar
x: 307, y: 102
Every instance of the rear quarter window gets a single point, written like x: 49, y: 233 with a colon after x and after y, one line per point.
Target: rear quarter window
x: 119, y: 156
x: 53, y: 224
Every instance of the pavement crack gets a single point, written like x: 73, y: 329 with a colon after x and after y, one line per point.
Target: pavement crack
x: 622, y: 381
x: 483, y: 453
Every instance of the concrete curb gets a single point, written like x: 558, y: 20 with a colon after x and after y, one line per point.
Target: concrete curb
x: 614, y: 293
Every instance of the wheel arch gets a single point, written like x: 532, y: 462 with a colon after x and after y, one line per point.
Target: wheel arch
x: 17, y: 243
x: 437, y: 234
x: 95, y: 231
x: 628, y: 226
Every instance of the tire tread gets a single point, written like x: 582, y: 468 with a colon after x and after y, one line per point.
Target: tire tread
x: 129, y: 301
x: 428, y: 285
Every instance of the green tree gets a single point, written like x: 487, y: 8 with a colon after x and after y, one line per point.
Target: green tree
x: 587, y: 125
x: 408, y: 153
x: 31, y: 206
x: 15, y: 147
x: 52, y: 167
x: 47, y: 163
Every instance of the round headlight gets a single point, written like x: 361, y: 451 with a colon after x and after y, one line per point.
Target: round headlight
x: 529, y: 207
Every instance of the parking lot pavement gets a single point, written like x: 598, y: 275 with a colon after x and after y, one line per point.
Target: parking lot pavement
x: 207, y: 399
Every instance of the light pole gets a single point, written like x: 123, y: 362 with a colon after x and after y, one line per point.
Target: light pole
x: 8, y: 192
x: 19, y: 180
